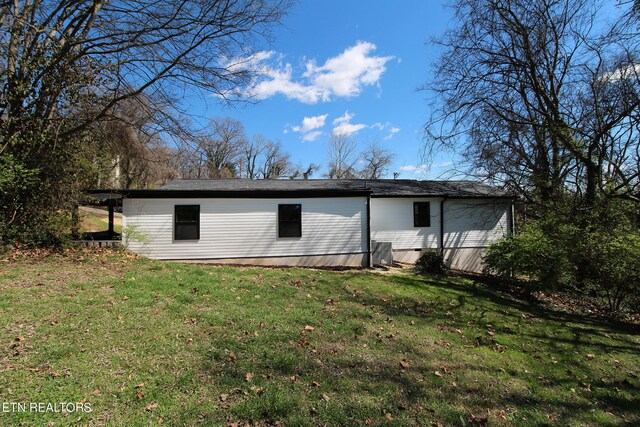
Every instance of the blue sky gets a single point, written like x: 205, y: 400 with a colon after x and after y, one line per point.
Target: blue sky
x: 350, y: 67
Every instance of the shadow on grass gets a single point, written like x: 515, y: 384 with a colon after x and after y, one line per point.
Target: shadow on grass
x: 416, y: 395
x: 492, y: 291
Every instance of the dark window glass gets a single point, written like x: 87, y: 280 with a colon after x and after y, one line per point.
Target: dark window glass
x: 421, y: 214
x: 187, y: 222
x: 289, y: 220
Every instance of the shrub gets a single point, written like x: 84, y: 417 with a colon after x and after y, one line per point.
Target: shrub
x: 595, y: 253
x: 431, y: 262
x: 532, y: 254
x: 613, y: 267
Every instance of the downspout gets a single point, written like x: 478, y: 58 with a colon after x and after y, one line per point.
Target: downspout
x: 512, y: 223
x: 442, y: 225
x: 368, y: 230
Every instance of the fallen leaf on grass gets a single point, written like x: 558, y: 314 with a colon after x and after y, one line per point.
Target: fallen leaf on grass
x: 325, y: 397
x: 232, y: 357
x: 152, y: 406
x: 478, y: 421
x: 263, y: 325
x: 309, y: 328
x: 223, y: 397
x: 19, y: 338
x: 590, y: 356
x: 437, y: 374
x: 140, y: 385
x: 257, y: 390
x: 54, y: 373
x: 315, y: 383
x: 249, y: 376
x: 404, y: 364
x: 96, y: 392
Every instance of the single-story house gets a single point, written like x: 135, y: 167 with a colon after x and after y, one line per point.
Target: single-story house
x: 316, y: 222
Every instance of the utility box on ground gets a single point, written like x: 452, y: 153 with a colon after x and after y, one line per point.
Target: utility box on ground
x: 382, y: 253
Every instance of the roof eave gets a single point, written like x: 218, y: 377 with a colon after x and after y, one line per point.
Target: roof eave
x: 263, y: 194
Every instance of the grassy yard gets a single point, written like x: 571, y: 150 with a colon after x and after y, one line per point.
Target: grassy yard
x: 148, y: 342
x: 97, y: 221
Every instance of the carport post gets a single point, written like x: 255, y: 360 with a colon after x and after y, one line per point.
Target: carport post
x: 111, y: 232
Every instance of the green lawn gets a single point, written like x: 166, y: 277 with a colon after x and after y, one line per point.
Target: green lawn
x: 93, y: 223
x: 146, y: 342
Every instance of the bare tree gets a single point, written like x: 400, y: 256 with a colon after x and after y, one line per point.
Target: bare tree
x: 222, y: 148
x: 133, y: 144
x: 68, y: 64
x: 251, y: 152
x: 275, y: 163
x: 189, y: 161
x: 304, y: 172
x: 377, y: 161
x: 537, y: 96
x: 342, y: 156
x: 101, y: 49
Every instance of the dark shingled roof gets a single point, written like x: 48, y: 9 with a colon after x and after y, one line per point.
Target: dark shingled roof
x: 410, y: 187
x: 378, y: 187
x: 284, y: 185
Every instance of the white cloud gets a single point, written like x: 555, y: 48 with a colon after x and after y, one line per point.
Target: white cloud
x: 279, y: 81
x: 309, y: 127
x: 312, y: 136
x: 423, y: 169
x: 392, y: 132
x: 345, y: 118
x: 418, y: 169
x: 383, y: 126
x: 622, y: 73
x: 252, y: 62
x: 345, y: 74
x: 342, y: 76
x: 343, y: 126
x: 311, y: 123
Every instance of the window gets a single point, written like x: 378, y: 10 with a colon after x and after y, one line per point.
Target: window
x: 289, y: 220
x: 187, y: 222
x: 421, y: 214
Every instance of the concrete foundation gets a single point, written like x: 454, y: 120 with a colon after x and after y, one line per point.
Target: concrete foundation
x: 407, y: 256
x: 342, y: 260
x: 463, y: 259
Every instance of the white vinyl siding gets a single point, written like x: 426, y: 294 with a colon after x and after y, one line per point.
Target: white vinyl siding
x: 232, y: 228
x: 392, y: 221
x: 474, y: 223
x: 468, y: 223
